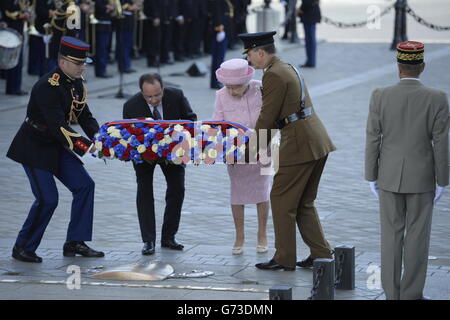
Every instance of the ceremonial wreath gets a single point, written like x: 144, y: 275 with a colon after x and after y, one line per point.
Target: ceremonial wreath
x: 174, y: 141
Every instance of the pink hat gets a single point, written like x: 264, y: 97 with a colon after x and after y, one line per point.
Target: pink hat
x: 235, y: 72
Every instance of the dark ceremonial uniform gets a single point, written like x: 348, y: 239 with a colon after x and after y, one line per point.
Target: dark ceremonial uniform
x: 37, y: 60
x: 45, y: 145
x: 12, y: 12
x: 124, y: 35
x: 103, y: 31
x: 159, y: 44
x: 222, y: 12
x: 60, y: 29
x: 310, y: 16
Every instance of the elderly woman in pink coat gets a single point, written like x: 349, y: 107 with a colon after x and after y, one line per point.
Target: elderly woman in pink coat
x: 240, y: 101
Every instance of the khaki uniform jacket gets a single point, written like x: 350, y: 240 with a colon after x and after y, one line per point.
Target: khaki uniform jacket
x: 303, y: 140
x: 407, y: 138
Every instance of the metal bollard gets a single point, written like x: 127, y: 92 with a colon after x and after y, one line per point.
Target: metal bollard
x: 323, y: 280
x: 280, y: 293
x: 345, y: 267
x: 399, y: 23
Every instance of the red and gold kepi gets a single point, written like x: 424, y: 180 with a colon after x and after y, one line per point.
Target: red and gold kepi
x: 74, y: 49
x: 410, y: 52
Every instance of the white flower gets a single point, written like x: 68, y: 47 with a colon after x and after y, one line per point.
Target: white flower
x: 212, y: 153
x: 152, y: 130
x: 205, y: 127
x: 233, y: 132
x: 155, y: 148
x: 111, y: 152
x: 167, y: 139
x: 178, y: 127
x: 141, y: 148
x: 123, y: 142
x: 110, y: 129
x: 180, y: 152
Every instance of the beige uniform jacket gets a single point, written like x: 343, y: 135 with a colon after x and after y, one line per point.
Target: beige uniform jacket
x: 407, y: 138
x: 303, y: 140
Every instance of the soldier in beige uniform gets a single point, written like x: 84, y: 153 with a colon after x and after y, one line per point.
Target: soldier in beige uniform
x: 406, y: 156
x: 304, y: 148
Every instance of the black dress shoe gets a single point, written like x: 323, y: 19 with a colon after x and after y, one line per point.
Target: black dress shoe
x: 72, y: 248
x: 104, y: 76
x: 149, y: 248
x: 307, y: 66
x: 307, y: 263
x: 131, y: 70
x: 17, y: 93
x: 171, y: 244
x: 272, y: 265
x: 19, y: 253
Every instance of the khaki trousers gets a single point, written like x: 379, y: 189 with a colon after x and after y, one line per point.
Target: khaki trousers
x: 405, y: 239
x: 292, y: 199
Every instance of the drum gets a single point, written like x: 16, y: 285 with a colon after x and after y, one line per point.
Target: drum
x: 10, y: 46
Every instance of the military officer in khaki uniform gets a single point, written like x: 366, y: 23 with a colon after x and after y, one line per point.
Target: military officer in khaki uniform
x: 304, y: 148
x: 406, y: 156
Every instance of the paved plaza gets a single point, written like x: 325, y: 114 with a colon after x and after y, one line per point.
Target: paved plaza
x: 340, y: 88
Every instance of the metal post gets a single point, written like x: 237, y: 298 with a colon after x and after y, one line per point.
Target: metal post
x: 280, y: 293
x: 346, y: 269
x: 325, y: 289
x: 400, y: 23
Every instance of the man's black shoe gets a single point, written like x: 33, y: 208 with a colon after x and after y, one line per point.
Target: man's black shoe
x: 171, y: 244
x: 149, y: 248
x: 307, y: 263
x: 272, y: 265
x: 104, y: 76
x: 19, y: 253
x: 72, y: 248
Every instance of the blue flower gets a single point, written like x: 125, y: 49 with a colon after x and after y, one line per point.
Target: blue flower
x: 125, y: 134
x: 134, y: 141
x: 139, y: 125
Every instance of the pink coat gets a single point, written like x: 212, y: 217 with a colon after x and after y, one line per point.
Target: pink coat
x: 244, y: 110
x: 247, y: 184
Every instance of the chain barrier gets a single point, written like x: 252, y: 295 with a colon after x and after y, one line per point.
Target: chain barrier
x: 339, y: 269
x: 356, y: 24
x: 316, y: 285
x: 425, y: 23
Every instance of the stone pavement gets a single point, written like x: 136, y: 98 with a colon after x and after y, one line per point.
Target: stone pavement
x: 340, y: 87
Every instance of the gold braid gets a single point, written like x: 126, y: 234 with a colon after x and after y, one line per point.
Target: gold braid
x: 77, y: 106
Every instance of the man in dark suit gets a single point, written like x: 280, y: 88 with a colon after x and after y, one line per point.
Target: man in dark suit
x: 158, y: 102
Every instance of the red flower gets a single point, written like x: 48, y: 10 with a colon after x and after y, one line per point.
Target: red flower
x: 105, y: 152
x: 149, y: 155
x: 140, y: 138
x: 159, y: 136
x: 165, y: 153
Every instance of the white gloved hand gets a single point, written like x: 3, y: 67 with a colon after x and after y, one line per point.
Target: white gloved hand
x: 374, y: 188
x: 47, y: 38
x: 439, y: 192
x: 220, y: 36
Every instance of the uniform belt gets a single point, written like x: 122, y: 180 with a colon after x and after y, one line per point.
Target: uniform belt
x: 303, y: 114
x: 37, y: 126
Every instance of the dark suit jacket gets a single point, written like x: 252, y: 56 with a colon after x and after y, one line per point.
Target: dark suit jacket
x: 174, y: 103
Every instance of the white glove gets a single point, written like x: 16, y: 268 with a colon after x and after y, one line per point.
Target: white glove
x: 374, y: 188
x: 47, y: 38
x: 439, y: 192
x: 220, y: 36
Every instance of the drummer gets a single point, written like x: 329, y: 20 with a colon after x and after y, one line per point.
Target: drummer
x: 15, y: 19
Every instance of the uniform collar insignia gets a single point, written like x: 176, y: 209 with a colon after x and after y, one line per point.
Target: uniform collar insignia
x: 54, y: 79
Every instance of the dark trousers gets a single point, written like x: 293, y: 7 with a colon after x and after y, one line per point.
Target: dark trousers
x: 14, y: 77
x: 174, y: 175
x: 102, y: 52
x: 73, y: 175
x: 124, y: 45
x: 218, y: 50
x: 310, y: 43
x: 37, y: 64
